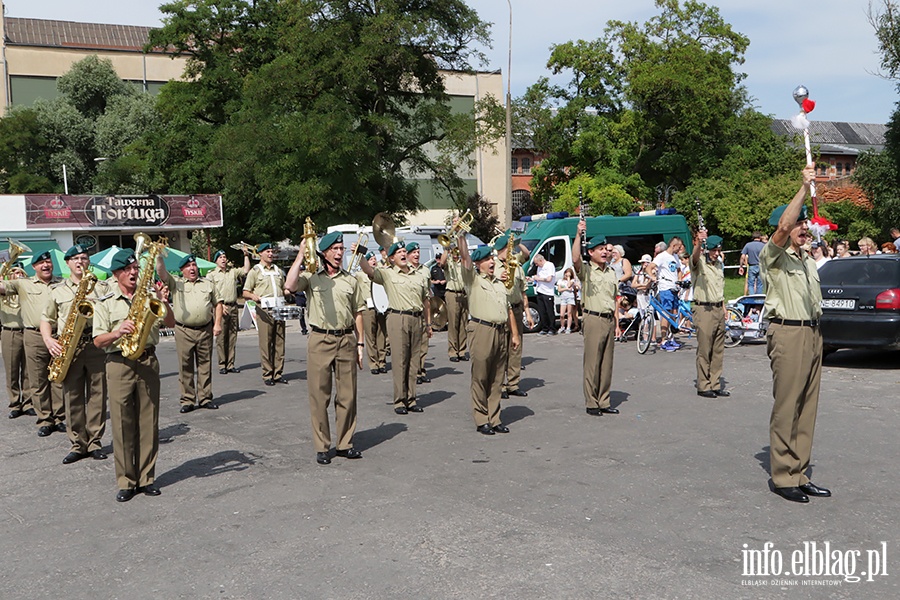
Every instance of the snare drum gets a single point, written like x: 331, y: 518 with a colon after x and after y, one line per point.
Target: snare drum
x: 284, y: 313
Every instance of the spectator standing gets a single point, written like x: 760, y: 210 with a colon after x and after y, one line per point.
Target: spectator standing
x: 544, y: 281
x: 621, y: 265
x: 817, y: 252
x: 895, y: 235
x: 566, y: 288
x: 669, y: 269
x: 867, y: 247
x: 750, y: 261
x: 438, y: 278
x: 841, y: 249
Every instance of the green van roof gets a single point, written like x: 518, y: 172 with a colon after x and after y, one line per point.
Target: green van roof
x: 667, y: 225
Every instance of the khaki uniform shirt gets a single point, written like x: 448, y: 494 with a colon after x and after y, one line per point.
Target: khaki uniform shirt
x: 226, y: 282
x: 453, y: 270
x: 9, y: 316
x: 487, y: 297
x: 405, y: 291
x: 425, y: 273
x: 194, y: 303
x: 598, y: 287
x: 708, y: 279
x: 61, y: 297
x: 332, y: 302
x: 365, y: 288
x: 33, y: 297
x: 260, y: 281
x: 111, y: 310
x: 792, y: 283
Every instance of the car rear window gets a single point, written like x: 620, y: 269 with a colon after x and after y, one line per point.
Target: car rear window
x: 879, y: 272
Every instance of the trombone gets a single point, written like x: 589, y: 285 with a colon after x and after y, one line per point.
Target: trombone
x: 362, y: 238
x: 463, y: 224
x: 254, y: 253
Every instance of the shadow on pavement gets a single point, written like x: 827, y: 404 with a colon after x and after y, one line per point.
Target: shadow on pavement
x: 527, y: 361
x: 441, y: 371
x: 863, y: 359
x: 616, y: 398
x: 220, y: 462
x: 169, y: 433
x: 432, y: 398
x: 511, y: 414
x: 364, y: 440
x: 235, y: 396
x: 530, y: 383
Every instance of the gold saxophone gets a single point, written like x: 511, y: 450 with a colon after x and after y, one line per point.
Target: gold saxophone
x: 6, y: 272
x: 145, y: 309
x: 512, y: 263
x: 70, y: 337
x: 308, y: 247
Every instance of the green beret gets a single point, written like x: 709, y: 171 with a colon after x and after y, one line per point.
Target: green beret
x: 394, y: 247
x: 596, y: 241
x: 370, y: 254
x: 776, y: 215
x: 481, y: 252
x: 264, y: 246
x: 190, y: 258
x: 713, y: 241
x: 410, y: 247
x: 19, y: 264
x: 122, y: 259
x: 501, y: 242
x: 381, y: 248
x: 218, y: 254
x: 39, y: 257
x: 330, y: 239
x: 75, y: 251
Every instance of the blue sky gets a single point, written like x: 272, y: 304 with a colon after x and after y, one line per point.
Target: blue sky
x: 830, y: 47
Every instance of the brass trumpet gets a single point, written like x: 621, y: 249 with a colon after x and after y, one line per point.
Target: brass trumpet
x: 254, y: 253
x: 463, y: 224
x: 361, y: 241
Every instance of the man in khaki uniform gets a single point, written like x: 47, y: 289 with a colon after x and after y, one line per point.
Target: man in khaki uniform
x: 518, y: 302
x: 133, y: 385
x: 84, y: 388
x: 708, y: 279
x: 794, y: 345
x: 375, y: 331
x: 266, y: 280
x: 412, y: 256
x: 198, y: 318
x: 408, y: 299
x: 457, y: 307
x: 13, y: 349
x: 335, y: 304
x: 599, y: 285
x: 33, y: 294
x: 492, y: 327
x: 226, y: 282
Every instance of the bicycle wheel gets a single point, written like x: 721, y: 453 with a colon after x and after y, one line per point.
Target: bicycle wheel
x: 645, y: 332
x: 734, y: 329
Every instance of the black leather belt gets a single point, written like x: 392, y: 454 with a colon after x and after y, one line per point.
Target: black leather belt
x: 412, y: 313
x: 606, y: 315
x: 32, y: 328
x: 194, y: 327
x: 456, y: 291
x: 230, y: 303
x: 151, y: 351
x: 795, y: 323
x: 331, y: 331
x: 719, y: 303
x: 488, y: 323
x: 11, y: 328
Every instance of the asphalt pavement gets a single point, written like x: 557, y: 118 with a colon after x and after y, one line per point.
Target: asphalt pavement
x: 669, y: 499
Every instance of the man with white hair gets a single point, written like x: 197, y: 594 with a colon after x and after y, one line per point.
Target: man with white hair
x: 544, y: 281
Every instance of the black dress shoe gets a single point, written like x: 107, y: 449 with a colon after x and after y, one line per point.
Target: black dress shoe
x: 125, y: 495
x: 401, y: 410
x: 61, y: 427
x: 812, y: 489
x: 425, y: 378
x: 420, y: 380
x: 45, y: 430
x: 794, y: 494
x: 501, y: 428
x: 610, y: 411
x: 349, y: 453
x: 281, y: 380
x: 594, y: 412
x: 454, y: 359
x: 30, y: 413
x: 72, y: 457
x: 149, y: 490
x: 234, y: 370
x: 210, y: 406
x: 382, y: 369
x: 186, y: 408
x: 504, y: 395
x: 707, y: 394
x: 98, y: 455
x: 722, y: 393
x: 485, y: 429
x: 416, y: 408
x: 223, y: 371
x: 322, y: 458
x: 15, y: 413
x: 269, y: 382
x: 464, y: 358
x: 518, y: 393
x: 375, y: 371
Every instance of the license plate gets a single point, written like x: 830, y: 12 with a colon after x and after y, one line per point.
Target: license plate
x: 839, y: 304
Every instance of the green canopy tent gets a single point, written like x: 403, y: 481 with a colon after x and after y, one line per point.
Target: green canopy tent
x: 173, y: 257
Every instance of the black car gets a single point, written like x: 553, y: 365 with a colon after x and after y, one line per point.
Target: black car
x: 861, y: 302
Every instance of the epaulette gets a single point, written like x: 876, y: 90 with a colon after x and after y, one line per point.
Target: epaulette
x: 106, y: 296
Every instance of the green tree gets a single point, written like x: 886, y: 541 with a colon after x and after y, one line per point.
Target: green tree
x: 877, y: 175
x: 91, y: 84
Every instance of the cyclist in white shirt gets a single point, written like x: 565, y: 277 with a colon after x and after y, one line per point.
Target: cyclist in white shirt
x: 668, y: 274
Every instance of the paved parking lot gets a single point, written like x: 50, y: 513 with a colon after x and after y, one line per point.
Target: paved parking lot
x: 657, y: 502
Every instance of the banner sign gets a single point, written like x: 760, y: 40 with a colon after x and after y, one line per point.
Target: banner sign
x: 48, y: 211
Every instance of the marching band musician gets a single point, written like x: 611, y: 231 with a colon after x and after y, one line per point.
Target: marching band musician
x: 374, y: 324
x: 599, y: 285
x: 266, y: 280
x: 457, y: 307
x: 198, y: 318
x: 34, y: 293
x: 226, y: 282
x: 13, y: 349
x: 413, y: 253
x: 708, y: 279
x: 490, y: 316
x: 133, y: 385
x: 408, y: 299
x: 335, y: 302
x: 84, y: 388
x: 518, y: 301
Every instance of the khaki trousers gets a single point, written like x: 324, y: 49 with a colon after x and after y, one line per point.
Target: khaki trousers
x: 133, y: 387
x: 405, y: 333
x: 382, y: 343
x: 194, y: 348
x: 46, y: 397
x: 271, y: 344
x: 795, y: 354
x: 457, y: 319
x: 226, y: 342
x: 599, y: 333
x: 488, y: 351
x: 423, y: 351
x: 710, y: 324
x: 84, y: 393
x: 514, y: 360
x: 375, y: 334
x: 13, y: 348
x: 327, y: 355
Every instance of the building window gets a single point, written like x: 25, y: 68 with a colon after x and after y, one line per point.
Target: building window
x: 840, y: 169
x: 526, y: 166
x: 514, y: 163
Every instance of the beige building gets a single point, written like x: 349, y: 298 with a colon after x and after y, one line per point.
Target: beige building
x: 35, y: 52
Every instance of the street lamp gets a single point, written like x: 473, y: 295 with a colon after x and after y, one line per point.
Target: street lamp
x: 509, y: 118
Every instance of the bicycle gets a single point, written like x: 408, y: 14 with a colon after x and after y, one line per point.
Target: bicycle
x: 682, y: 321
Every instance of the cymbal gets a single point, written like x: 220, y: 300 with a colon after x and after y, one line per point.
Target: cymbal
x: 438, y: 313
x: 383, y: 230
